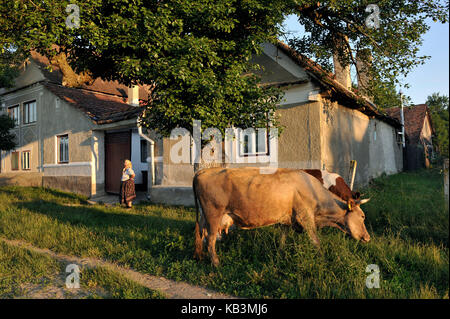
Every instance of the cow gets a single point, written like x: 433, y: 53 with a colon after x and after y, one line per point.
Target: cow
x: 334, y: 183
x: 331, y: 181
x: 249, y: 199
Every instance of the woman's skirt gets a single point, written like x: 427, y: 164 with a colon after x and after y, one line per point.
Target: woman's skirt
x: 127, y: 191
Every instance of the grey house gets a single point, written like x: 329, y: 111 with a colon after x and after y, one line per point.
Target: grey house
x: 79, y: 137
x: 71, y: 139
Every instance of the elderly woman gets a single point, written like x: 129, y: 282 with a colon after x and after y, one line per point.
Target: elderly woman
x: 127, y: 190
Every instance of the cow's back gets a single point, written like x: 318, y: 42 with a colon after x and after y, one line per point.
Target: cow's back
x: 254, y: 199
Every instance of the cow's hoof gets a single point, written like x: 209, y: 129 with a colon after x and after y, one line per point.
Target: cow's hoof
x: 215, y: 262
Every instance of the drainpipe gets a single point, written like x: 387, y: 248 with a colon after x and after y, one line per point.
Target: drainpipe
x: 402, y: 116
x: 152, y: 151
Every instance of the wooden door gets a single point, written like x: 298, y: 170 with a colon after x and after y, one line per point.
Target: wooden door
x: 117, y: 150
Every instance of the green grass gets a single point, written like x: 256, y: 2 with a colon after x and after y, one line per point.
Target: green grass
x: 21, y: 269
x: 406, y: 219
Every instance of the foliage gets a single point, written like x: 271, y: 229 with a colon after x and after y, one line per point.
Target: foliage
x: 406, y: 219
x: 438, y: 105
x: 392, y: 49
x: 194, y: 53
x: 7, y: 139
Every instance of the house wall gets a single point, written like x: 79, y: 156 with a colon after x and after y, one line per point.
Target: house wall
x: 348, y: 134
x: 60, y: 118
x: 299, y: 143
x: 54, y: 117
x: 427, y: 132
x: 27, y: 135
x: 27, y: 139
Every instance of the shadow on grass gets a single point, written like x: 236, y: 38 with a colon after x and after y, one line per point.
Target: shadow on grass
x: 152, y: 234
x: 21, y: 194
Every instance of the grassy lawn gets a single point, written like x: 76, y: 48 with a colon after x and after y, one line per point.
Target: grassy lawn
x: 406, y: 219
x: 32, y: 275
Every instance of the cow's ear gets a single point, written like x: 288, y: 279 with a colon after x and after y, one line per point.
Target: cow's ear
x: 356, y: 195
x: 350, y: 204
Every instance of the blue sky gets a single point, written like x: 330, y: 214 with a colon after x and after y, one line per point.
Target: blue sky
x: 425, y: 79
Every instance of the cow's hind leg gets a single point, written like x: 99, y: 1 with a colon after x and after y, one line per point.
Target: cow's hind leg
x: 199, y: 238
x: 213, y: 228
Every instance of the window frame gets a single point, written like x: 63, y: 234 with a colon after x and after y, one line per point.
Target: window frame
x: 65, y: 160
x: 12, y: 115
x: 143, y: 143
x: 26, y: 112
x: 23, y: 160
x: 254, y: 143
x: 18, y: 160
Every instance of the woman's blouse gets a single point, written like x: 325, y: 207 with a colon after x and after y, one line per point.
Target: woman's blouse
x: 126, y: 174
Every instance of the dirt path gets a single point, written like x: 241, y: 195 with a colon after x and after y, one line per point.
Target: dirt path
x: 171, y: 289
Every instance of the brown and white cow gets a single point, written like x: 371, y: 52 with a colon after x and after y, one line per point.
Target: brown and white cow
x: 250, y: 200
x: 331, y: 181
x: 334, y: 183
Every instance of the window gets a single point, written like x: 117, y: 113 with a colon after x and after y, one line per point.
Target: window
x: 14, y: 114
x: 26, y: 160
x: 14, y: 161
x: 144, y: 151
x: 63, y: 148
x: 29, y: 112
x: 254, y: 142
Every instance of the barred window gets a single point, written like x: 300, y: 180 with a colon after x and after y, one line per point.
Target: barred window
x: 63, y: 149
x: 26, y: 160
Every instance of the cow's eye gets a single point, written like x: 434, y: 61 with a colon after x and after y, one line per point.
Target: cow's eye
x: 363, y: 217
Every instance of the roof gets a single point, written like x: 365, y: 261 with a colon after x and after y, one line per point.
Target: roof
x: 328, y: 80
x: 93, y: 99
x: 414, y: 120
x: 100, y: 107
x: 103, y: 101
x: 53, y: 73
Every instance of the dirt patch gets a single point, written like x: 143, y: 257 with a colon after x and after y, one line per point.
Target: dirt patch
x: 171, y: 289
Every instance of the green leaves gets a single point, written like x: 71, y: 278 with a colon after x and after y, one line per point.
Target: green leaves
x: 7, y: 139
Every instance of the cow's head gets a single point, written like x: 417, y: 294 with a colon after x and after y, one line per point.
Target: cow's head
x: 354, y: 220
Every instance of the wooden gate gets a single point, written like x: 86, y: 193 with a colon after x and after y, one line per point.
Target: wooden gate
x: 117, y: 150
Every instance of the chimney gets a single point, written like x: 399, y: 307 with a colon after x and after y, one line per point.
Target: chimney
x: 363, y: 65
x: 341, y: 71
x: 133, y: 95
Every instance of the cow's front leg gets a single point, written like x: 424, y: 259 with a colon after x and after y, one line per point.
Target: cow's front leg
x: 306, y: 220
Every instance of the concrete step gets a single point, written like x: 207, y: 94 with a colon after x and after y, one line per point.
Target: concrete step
x: 172, y: 195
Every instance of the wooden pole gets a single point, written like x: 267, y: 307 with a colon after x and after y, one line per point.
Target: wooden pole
x: 353, y: 165
x: 446, y: 183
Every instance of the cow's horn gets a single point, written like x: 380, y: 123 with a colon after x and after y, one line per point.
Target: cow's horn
x: 363, y: 201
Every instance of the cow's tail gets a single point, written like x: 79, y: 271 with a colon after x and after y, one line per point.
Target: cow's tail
x: 198, y: 235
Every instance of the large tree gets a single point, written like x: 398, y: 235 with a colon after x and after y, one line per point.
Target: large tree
x: 195, y: 52
x: 385, y: 33
x: 438, y: 105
